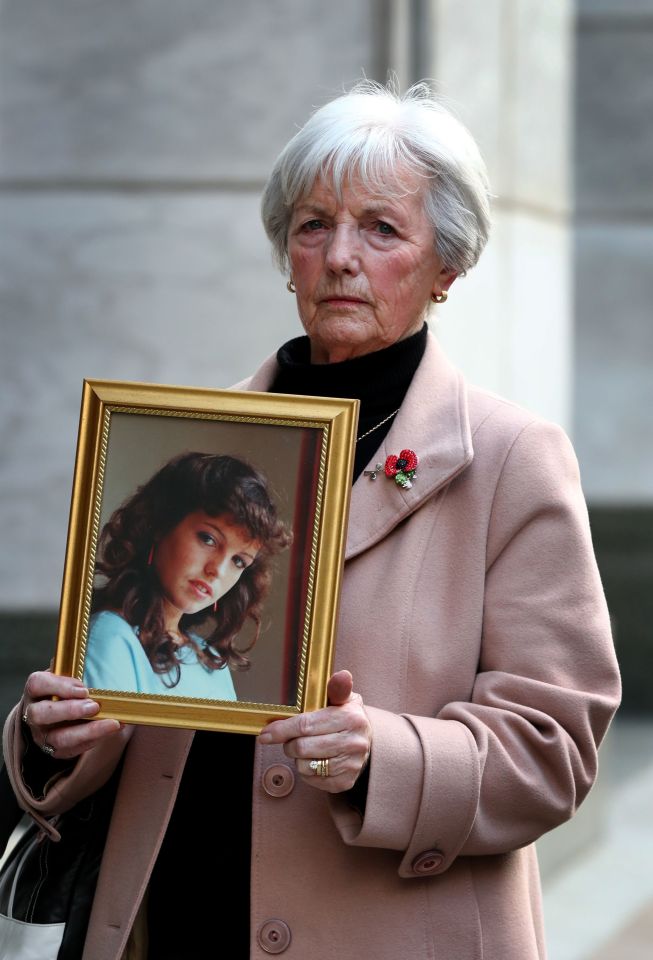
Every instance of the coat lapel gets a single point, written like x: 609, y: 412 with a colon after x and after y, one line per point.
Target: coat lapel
x: 433, y: 421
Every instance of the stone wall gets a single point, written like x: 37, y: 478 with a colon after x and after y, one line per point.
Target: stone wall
x: 135, y: 138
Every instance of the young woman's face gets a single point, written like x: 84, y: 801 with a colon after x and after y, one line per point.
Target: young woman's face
x: 199, y: 560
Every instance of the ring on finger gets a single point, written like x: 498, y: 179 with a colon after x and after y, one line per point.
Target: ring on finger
x: 25, y: 715
x: 47, y: 747
x: 319, y: 767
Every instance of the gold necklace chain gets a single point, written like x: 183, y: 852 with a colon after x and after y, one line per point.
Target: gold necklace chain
x: 385, y: 420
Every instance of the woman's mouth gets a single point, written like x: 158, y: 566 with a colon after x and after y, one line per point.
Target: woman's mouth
x: 343, y: 301
x: 201, y: 589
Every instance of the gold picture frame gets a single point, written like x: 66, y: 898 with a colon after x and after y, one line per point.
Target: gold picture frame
x: 303, y: 447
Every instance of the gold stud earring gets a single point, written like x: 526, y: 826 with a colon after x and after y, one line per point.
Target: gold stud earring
x: 439, y: 297
x: 290, y: 286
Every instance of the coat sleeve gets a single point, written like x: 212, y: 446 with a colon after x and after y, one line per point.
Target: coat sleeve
x: 67, y: 785
x: 493, y: 774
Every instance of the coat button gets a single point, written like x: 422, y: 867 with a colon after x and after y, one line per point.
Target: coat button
x: 428, y: 862
x: 278, y: 780
x: 273, y: 936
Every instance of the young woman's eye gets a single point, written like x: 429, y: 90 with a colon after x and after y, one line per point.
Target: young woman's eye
x: 240, y: 563
x: 206, y: 538
x: 385, y: 229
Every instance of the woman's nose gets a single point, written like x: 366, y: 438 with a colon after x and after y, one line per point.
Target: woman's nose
x: 216, y: 567
x: 343, y: 250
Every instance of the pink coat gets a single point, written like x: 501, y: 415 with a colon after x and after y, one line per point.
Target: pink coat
x: 475, y: 626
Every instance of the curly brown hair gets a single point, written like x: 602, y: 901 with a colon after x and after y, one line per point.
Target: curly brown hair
x: 216, y: 485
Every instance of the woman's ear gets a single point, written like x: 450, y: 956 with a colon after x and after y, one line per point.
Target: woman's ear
x: 440, y: 287
x: 444, y: 281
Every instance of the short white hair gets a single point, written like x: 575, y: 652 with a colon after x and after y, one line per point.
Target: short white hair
x: 378, y: 134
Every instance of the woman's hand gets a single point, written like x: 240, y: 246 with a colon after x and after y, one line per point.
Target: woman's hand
x: 59, y: 727
x: 340, y: 733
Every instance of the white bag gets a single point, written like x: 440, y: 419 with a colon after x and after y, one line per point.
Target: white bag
x: 27, y: 941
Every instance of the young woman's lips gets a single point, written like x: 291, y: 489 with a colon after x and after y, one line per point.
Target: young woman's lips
x: 201, y: 590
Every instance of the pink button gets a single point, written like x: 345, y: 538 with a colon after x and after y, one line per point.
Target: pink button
x: 278, y: 780
x: 273, y: 936
x: 428, y: 862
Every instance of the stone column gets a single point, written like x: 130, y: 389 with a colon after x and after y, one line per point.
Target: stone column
x: 614, y: 332
x: 614, y: 249
x: 504, y: 67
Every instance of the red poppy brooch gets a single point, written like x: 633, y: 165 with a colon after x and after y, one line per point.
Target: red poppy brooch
x: 402, y: 468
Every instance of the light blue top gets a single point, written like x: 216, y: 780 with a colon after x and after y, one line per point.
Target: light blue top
x: 115, y: 660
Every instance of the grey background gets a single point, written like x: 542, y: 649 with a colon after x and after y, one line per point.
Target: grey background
x: 134, y: 142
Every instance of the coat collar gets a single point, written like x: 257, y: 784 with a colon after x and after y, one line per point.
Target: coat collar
x: 433, y: 421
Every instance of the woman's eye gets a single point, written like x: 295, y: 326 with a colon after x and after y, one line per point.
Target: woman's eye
x: 240, y: 563
x: 206, y: 538
x: 385, y: 228
x: 312, y: 225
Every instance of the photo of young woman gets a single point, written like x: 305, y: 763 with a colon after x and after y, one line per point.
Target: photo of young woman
x: 182, y: 566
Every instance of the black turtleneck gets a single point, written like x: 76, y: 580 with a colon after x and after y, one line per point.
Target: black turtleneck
x: 379, y: 380
x: 207, y: 847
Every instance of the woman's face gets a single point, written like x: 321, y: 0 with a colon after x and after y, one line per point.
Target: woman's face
x: 364, y: 268
x: 199, y: 560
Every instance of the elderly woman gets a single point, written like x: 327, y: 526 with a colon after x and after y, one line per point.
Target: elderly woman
x: 475, y: 670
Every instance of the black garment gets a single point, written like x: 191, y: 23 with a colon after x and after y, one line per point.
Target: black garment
x: 199, y: 889
x: 379, y: 380
x: 10, y: 813
x: 202, y: 873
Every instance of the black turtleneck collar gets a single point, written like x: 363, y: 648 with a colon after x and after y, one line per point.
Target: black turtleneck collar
x: 380, y: 380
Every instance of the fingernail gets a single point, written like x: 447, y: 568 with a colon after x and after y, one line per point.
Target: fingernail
x: 89, y: 707
x: 79, y: 686
x: 264, y: 738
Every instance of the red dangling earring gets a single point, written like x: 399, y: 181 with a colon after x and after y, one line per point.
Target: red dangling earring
x: 150, y: 556
x: 215, y: 607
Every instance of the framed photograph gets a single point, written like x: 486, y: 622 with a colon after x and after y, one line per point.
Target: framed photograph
x: 205, y: 553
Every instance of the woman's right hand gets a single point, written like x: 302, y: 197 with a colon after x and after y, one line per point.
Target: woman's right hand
x: 62, y: 725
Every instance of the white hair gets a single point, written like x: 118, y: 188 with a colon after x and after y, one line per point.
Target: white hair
x: 380, y: 136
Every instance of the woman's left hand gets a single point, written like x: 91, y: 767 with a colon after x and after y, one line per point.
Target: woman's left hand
x: 340, y: 733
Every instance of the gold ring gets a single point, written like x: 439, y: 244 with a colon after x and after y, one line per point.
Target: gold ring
x: 24, y: 717
x: 319, y: 767
x: 47, y: 748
